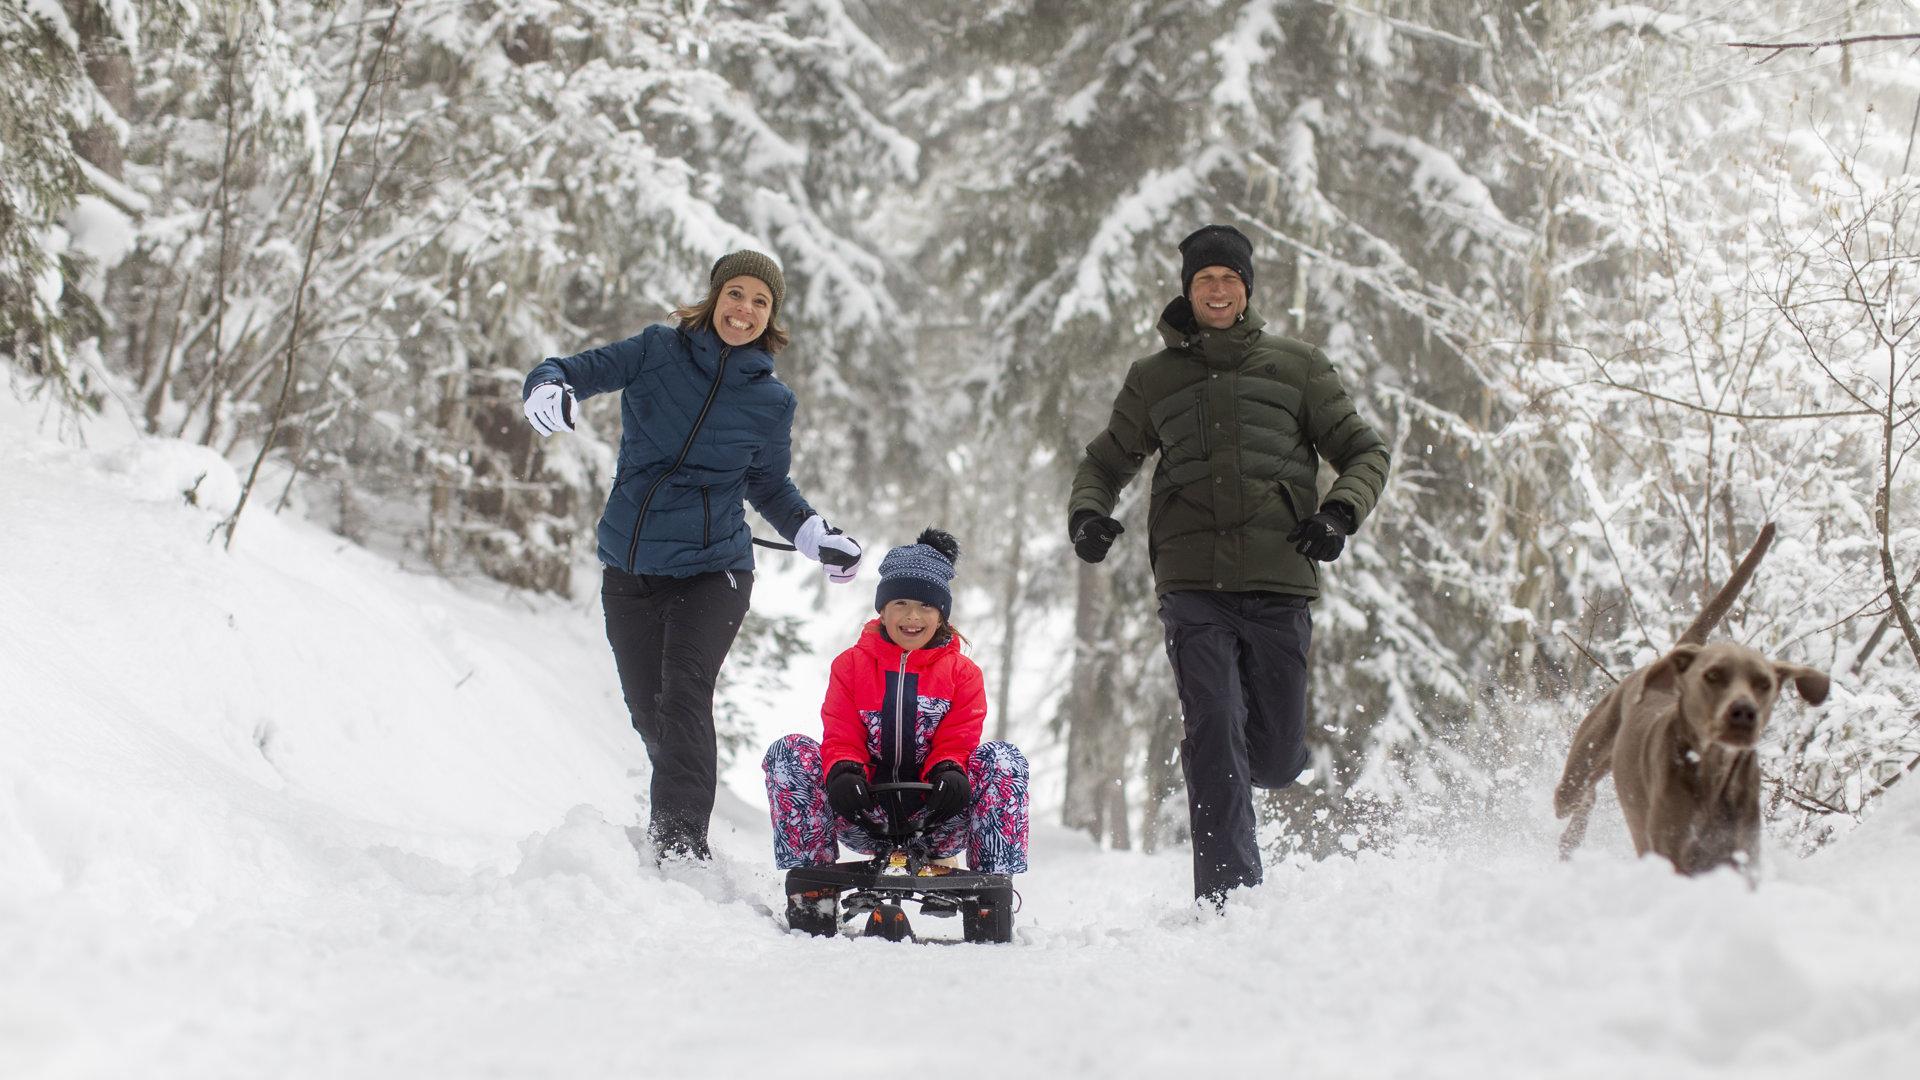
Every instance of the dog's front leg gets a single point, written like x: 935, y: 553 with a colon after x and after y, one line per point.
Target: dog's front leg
x: 1713, y: 841
x: 1670, y: 828
x: 1746, y: 851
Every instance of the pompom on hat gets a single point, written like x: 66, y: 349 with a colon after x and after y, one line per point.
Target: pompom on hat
x: 751, y: 264
x: 921, y: 571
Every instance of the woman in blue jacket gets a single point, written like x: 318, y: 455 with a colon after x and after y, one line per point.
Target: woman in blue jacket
x: 704, y: 425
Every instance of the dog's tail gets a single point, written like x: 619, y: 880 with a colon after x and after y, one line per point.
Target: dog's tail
x: 1722, y: 601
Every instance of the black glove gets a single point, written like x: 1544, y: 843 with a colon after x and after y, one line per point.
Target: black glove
x: 1323, y: 536
x: 951, y: 795
x: 847, y: 791
x: 1093, y: 535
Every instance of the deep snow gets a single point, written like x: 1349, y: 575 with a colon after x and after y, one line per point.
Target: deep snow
x: 299, y: 810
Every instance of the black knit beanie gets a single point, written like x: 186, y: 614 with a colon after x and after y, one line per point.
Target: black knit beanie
x: 751, y: 264
x: 1215, y: 245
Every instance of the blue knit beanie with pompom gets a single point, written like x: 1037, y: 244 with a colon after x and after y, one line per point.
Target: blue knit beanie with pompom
x: 921, y: 571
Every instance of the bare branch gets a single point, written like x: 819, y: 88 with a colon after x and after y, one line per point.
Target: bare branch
x: 1607, y: 379
x: 1411, y: 29
x: 306, y: 272
x: 1710, y: 411
x: 1594, y: 659
x: 1805, y: 800
x: 225, y: 253
x: 1820, y: 361
x: 1881, y: 788
x: 1889, y: 575
x: 1782, y: 46
x: 1913, y: 128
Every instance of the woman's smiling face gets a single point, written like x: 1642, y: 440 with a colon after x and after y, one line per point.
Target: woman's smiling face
x: 742, y: 311
x: 909, y: 623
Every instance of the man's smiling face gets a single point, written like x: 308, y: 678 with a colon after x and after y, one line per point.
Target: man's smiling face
x: 1218, y: 297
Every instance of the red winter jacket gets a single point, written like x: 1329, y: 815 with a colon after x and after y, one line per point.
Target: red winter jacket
x: 899, y: 713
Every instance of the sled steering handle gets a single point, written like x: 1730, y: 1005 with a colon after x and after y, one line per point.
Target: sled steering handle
x: 882, y: 789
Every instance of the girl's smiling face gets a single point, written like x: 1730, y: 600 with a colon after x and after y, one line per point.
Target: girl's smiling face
x: 910, y: 624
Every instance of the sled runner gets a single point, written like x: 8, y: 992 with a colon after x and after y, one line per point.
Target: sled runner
x: 819, y: 898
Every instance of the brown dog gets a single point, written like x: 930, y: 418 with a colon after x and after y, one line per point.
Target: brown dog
x: 1679, y: 737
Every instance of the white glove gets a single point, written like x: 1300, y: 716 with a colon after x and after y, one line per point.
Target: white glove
x: 550, y: 408
x: 836, y: 552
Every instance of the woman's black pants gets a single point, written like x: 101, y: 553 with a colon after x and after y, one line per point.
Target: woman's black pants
x: 669, y: 637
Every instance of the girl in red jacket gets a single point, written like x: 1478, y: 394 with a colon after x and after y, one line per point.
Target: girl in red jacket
x: 902, y: 705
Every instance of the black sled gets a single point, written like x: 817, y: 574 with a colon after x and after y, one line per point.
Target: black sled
x: 877, y: 890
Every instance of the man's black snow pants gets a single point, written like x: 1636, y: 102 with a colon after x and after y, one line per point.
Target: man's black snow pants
x: 1240, y: 662
x: 669, y: 637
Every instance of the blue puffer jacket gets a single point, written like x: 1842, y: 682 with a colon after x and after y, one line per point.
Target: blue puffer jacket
x: 703, y: 425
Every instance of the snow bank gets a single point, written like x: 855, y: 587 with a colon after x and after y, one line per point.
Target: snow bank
x: 193, y: 721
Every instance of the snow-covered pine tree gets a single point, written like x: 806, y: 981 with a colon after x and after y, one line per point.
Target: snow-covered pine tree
x: 62, y: 206
x: 445, y: 195
x: 1518, y: 230
x: 522, y: 179
x: 1079, y: 143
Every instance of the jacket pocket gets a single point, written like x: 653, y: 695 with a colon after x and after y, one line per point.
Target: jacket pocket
x: 1206, y: 438
x: 706, y: 517
x: 1303, y: 501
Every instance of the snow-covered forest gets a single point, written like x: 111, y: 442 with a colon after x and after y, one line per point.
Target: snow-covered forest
x: 1617, y: 288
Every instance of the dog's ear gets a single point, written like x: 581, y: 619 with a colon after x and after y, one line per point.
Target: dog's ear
x: 1666, y: 671
x: 1812, y: 683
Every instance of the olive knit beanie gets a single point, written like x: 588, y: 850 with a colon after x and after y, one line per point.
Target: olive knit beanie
x: 751, y: 264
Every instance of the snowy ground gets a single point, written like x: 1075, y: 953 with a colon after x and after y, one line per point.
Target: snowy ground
x: 296, y: 811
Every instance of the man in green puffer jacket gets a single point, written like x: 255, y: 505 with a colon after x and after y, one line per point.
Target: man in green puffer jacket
x: 1236, y: 531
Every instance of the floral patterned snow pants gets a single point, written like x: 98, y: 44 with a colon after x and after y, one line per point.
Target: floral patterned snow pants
x: 805, y: 830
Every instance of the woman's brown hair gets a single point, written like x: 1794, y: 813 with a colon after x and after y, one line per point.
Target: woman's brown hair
x: 700, y: 317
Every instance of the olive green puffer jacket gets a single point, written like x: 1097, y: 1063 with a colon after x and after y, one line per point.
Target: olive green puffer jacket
x: 1238, y: 416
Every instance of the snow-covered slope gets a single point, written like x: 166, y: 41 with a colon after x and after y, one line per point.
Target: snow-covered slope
x: 293, y: 810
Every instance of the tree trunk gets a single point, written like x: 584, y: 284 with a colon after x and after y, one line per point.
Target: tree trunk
x: 1162, y: 826
x: 452, y: 422
x: 111, y: 68
x: 1095, y: 796
x: 1010, y: 612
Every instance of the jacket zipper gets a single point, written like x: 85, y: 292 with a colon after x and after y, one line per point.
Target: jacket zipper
x: 720, y: 373
x: 706, y: 518
x: 1206, y: 441
x: 900, y: 720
